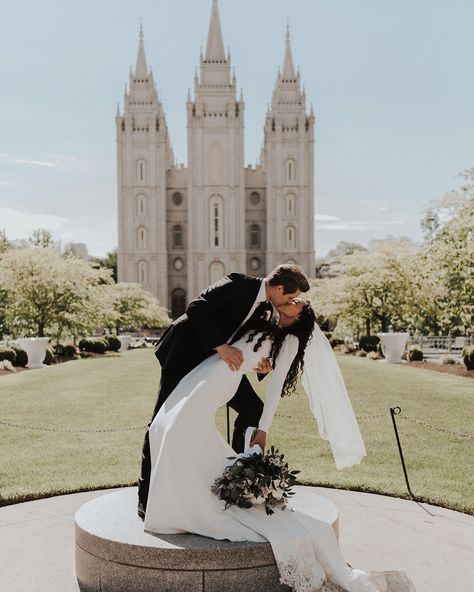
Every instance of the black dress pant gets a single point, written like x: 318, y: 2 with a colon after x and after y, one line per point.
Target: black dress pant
x: 245, y: 402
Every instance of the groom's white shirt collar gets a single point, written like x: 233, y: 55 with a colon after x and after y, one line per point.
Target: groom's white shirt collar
x: 262, y: 293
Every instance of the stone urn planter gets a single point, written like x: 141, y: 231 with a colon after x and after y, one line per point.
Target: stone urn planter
x: 393, y: 346
x: 35, y: 348
x: 125, y: 341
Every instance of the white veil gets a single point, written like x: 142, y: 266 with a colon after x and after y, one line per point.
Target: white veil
x: 329, y: 401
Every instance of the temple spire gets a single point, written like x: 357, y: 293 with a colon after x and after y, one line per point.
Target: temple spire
x: 288, y: 72
x: 141, y: 69
x: 215, y: 45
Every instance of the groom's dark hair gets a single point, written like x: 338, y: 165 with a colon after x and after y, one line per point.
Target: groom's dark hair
x: 290, y: 276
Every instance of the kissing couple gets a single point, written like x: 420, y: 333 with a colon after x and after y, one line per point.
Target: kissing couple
x: 235, y: 326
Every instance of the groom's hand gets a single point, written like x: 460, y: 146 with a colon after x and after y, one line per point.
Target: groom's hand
x: 260, y: 439
x: 232, y: 356
x: 264, y: 366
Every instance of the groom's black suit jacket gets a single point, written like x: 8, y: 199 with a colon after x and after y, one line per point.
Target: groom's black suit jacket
x: 210, y: 320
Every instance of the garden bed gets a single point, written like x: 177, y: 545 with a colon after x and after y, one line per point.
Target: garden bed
x: 456, y: 369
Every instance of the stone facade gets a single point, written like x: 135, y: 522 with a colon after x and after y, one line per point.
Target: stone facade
x: 181, y: 228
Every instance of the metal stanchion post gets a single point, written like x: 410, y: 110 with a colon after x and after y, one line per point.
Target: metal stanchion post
x: 396, y: 411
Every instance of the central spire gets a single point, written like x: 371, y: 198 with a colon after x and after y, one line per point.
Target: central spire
x: 215, y: 45
x: 141, y: 68
x: 288, y: 73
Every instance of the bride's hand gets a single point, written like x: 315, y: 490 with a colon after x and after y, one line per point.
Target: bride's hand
x: 232, y: 356
x: 260, y: 439
x: 264, y: 366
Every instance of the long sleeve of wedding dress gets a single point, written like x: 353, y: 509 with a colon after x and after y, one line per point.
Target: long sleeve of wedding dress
x: 188, y: 453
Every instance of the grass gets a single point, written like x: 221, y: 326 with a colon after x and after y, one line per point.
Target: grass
x: 118, y: 394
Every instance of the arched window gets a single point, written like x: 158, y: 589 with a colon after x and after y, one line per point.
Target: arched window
x: 141, y: 205
x: 141, y: 238
x: 216, y: 271
x: 290, y: 237
x: 141, y: 170
x: 290, y: 170
x: 216, y: 221
x: 177, y: 238
x: 142, y: 272
x: 178, y: 302
x: 255, y: 236
x: 290, y: 205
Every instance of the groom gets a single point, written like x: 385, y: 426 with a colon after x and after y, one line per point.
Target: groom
x: 210, y: 322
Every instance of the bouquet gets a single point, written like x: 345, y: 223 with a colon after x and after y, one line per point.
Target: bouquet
x: 254, y: 478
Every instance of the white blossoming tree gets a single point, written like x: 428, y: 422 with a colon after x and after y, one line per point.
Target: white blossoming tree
x: 370, y: 287
x: 134, y: 308
x: 47, y: 293
x: 449, y: 254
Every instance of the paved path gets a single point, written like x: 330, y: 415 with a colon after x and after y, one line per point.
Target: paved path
x: 433, y: 545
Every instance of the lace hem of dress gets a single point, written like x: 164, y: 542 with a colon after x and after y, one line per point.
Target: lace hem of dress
x: 292, y: 576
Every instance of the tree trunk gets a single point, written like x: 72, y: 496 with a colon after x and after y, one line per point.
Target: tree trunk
x: 41, y: 330
x: 367, y: 326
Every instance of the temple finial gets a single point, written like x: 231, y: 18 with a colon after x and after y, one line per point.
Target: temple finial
x: 215, y: 45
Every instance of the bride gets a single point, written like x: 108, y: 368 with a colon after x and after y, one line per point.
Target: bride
x: 188, y: 453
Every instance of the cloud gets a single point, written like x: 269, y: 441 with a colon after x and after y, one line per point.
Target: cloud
x: 18, y: 224
x: 358, y: 225
x: 13, y: 160
x: 325, y: 217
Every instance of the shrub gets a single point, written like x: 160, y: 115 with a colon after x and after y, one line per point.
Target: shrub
x: 21, y: 357
x: 335, y: 341
x: 328, y: 334
x: 448, y: 360
x: 373, y: 355
x: 113, y: 342
x: 97, y: 346
x: 69, y: 350
x: 361, y: 353
x: 415, y: 354
x: 468, y: 357
x: 84, y: 344
x: 8, y: 353
x: 369, y: 342
x: 49, y: 356
x: 58, y: 350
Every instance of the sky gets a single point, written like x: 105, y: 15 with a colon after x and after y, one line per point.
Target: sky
x: 391, y: 82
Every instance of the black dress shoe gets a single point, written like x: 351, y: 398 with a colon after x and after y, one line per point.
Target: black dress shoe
x: 141, y: 510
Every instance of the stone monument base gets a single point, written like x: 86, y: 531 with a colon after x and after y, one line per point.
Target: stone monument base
x: 115, y: 554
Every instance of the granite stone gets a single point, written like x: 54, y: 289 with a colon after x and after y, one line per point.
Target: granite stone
x: 114, y: 553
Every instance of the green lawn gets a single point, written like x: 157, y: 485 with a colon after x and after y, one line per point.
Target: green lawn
x: 118, y: 393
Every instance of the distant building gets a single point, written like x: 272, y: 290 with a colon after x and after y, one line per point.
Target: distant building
x: 181, y: 228
x: 79, y: 250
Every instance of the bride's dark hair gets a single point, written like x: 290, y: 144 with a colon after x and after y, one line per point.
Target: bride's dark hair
x: 302, y: 329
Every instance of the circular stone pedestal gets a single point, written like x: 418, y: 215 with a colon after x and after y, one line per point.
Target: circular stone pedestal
x: 115, y: 554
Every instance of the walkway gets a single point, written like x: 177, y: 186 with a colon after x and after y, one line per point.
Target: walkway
x: 433, y: 545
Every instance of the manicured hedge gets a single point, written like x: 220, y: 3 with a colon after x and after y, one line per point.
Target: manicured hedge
x: 415, y: 354
x: 468, y: 357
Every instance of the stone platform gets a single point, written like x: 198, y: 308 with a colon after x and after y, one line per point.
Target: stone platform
x: 115, y: 554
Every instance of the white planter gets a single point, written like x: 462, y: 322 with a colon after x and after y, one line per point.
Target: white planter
x: 393, y: 346
x: 125, y: 341
x: 35, y: 348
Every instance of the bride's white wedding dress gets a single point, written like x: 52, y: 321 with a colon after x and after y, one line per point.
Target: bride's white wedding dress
x: 188, y: 453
